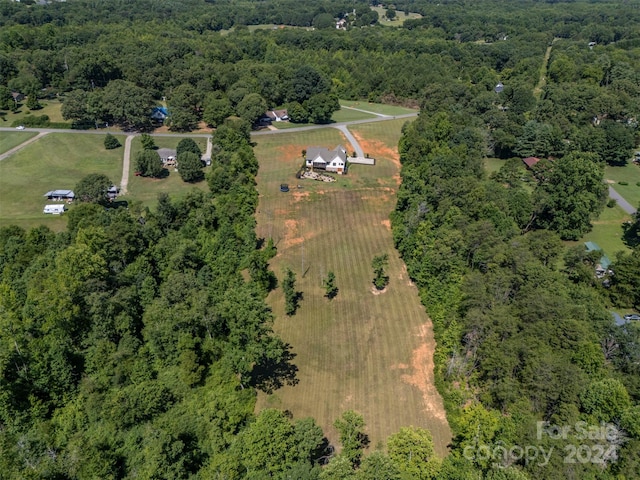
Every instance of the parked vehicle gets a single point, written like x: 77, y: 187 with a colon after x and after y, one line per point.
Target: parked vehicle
x: 284, y: 187
x: 20, y: 127
x: 632, y: 316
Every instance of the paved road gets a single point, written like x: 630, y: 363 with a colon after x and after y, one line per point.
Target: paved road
x: 205, y: 135
x: 124, y: 183
x: 626, y: 206
x: 22, y: 145
x: 333, y: 125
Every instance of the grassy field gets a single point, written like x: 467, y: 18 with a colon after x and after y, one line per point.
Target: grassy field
x: 396, y: 22
x: 364, y: 350
x: 342, y: 115
x: 630, y: 173
x: 377, y: 107
x: 145, y: 189
x: 493, y: 164
x: 52, y: 108
x: 56, y: 161
x: 8, y: 140
x: 607, y: 231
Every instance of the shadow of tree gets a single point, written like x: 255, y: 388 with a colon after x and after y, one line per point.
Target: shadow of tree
x: 272, y: 373
x: 631, y: 233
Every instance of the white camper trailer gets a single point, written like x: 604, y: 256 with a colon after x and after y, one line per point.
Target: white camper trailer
x: 54, y: 209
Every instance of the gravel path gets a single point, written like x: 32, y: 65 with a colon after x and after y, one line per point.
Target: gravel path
x: 352, y: 139
x: 124, y: 183
x: 22, y: 145
x: 626, y: 206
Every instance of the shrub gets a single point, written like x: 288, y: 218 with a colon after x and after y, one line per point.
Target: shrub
x: 111, y: 142
x: 611, y: 203
x: 33, y: 121
x: 623, y: 183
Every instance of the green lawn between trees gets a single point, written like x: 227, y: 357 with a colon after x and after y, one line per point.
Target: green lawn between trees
x: 359, y: 351
x: 55, y: 161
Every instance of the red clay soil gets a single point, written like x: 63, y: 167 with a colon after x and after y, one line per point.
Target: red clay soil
x: 422, y: 375
x: 378, y: 149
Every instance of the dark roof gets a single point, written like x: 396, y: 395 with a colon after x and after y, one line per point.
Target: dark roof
x: 530, y: 161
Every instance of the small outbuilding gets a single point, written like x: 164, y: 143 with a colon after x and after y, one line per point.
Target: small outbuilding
x: 60, y: 195
x: 530, y: 161
x: 112, y: 193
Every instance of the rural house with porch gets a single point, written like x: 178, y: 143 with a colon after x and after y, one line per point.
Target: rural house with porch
x: 324, y: 159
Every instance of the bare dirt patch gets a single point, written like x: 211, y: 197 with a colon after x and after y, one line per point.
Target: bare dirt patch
x: 377, y: 149
x: 375, y: 291
x: 297, y: 196
x: 386, y: 223
x: 291, y: 233
x: 399, y: 366
x: 422, y: 376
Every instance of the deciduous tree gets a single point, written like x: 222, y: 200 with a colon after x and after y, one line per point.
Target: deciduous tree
x: 190, y: 167
x: 93, y: 188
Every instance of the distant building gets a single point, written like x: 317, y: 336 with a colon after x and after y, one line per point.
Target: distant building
x: 159, y: 114
x: 602, y: 267
x: 112, y: 193
x: 530, y: 161
x: 60, y: 195
x: 277, y: 115
x: 168, y: 156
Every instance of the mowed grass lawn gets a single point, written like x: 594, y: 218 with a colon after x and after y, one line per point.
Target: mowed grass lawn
x: 630, y: 173
x: 380, y: 108
x: 367, y: 351
x: 607, y: 231
x: 51, y: 108
x: 55, y: 161
x: 397, y: 21
x: 8, y: 140
x: 146, y: 189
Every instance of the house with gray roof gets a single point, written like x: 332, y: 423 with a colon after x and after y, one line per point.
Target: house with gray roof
x: 330, y: 160
x: 60, y: 195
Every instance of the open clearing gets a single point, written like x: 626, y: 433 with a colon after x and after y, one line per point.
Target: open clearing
x: 630, y: 173
x: 56, y: 161
x: 607, y: 231
x: 364, y: 350
x: 51, y: 108
x: 380, y: 108
x: 146, y: 189
x: 397, y: 21
x: 8, y: 140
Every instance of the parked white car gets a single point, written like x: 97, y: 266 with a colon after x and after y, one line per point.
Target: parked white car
x: 20, y: 127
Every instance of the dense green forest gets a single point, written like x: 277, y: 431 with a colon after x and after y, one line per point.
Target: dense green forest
x: 134, y: 342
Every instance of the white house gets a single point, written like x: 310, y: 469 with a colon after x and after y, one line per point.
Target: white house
x: 277, y: 115
x: 330, y: 160
x: 54, y: 209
